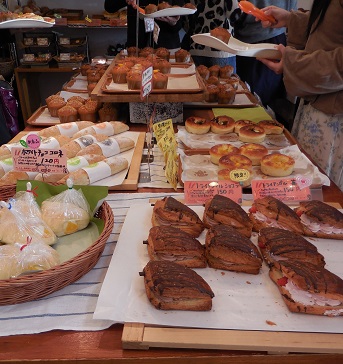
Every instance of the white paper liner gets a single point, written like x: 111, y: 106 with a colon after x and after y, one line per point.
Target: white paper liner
x: 242, y: 301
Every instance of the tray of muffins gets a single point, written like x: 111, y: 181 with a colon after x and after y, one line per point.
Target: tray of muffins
x: 178, y: 76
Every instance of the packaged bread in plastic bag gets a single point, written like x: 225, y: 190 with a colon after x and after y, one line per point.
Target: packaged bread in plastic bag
x: 36, y: 256
x: 66, y: 212
x: 9, y: 261
x: 21, y: 217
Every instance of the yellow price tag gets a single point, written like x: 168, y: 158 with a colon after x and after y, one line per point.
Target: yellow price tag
x: 87, y: 18
x: 239, y: 175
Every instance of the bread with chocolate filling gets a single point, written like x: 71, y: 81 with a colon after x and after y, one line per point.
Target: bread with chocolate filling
x: 228, y: 249
x: 221, y: 210
x: 170, y: 211
x: 170, y: 286
x: 174, y: 245
x: 310, y: 289
x: 282, y: 245
x: 269, y: 211
x: 320, y: 219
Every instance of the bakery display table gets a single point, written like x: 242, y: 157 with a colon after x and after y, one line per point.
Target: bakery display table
x: 105, y: 346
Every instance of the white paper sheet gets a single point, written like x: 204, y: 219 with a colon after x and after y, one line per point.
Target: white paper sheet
x: 242, y: 301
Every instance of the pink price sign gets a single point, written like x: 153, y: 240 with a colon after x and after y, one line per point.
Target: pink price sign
x: 198, y: 192
x: 286, y: 189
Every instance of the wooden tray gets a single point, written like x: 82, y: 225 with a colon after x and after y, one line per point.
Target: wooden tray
x: 69, y: 86
x: 139, y: 336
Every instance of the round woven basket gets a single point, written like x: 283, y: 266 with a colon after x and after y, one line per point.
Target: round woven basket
x: 33, y: 286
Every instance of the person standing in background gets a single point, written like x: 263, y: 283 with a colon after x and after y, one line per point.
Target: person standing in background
x: 209, y: 15
x: 312, y: 68
x: 262, y: 81
x: 169, y: 26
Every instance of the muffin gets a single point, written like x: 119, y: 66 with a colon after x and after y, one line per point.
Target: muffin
x: 163, y: 53
x: 213, y: 80
x: 88, y: 112
x: 150, y: 8
x: 226, y: 71
x: 84, y: 68
x: 163, y: 5
x: 162, y: 65
x: 93, y: 76
x: 182, y: 56
x: 132, y: 51
x: 226, y: 95
x: 108, y: 112
x: 203, y: 71
x: 67, y: 114
x: 159, y: 81
x: 54, y: 105
x: 77, y: 98
x: 119, y: 74
x: 211, y: 93
x: 214, y: 70
x: 76, y: 104
x: 221, y: 33
x: 51, y: 97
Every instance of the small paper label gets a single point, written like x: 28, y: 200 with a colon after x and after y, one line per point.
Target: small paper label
x: 109, y: 147
x: 97, y: 171
x: 198, y: 192
x: 85, y: 141
x: 65, y: 56
x: 104, y: 128
x: 149, y: 25
x: 146, y: 89
x: 76, y: 163
x: 68, y: 129
x: 286, y: 189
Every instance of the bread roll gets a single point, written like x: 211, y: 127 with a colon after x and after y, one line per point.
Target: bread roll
x: 11, y: 177
x: 73, y: 164
x: 108, y: 147
x: 6, y: 165
x: 271, y: 126
x: 107, y: 128
x: 64, y: 218
x: 240, y: 123
x: 231, y: 162
x: 97, y: 171
x: 222, y: 125
x: 251, y: 134
x: 221, y: 33
x: 68, y: 129
x: 197, y: 125
x: 74, y: 146
x: 277, y: 165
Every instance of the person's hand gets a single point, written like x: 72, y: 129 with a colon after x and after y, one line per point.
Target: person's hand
x: 281, y: 16
x: 273, y: 64
x: 171, y: 20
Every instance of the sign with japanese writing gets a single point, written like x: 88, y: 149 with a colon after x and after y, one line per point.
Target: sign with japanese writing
x: 287, y: 189
x: 146, y: 82
x: 198, y: 192
x: 31, y: 157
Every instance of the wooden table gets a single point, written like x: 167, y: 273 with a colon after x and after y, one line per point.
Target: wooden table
x: 105, y: 346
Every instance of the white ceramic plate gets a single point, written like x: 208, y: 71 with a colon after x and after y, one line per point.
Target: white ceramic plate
x: 174, y: 11
x: 235, y: 46
x: 25, y: 23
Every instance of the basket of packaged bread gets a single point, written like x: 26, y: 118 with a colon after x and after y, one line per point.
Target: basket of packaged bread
x: 50, y: 236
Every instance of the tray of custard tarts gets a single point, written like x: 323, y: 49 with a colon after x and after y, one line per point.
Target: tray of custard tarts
x: 246, y: 148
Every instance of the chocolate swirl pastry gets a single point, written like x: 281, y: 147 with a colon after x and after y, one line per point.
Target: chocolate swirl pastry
x: 228, y: 249
x: 170, y: 286
x: 307, y: 288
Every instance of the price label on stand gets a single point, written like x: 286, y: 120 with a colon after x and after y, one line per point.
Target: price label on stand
x: 198, y: 192
x: 146, y: 82
x: 286, y: 189
x: 149, y: 25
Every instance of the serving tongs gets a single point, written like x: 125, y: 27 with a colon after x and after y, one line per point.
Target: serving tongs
x: 251, y: 9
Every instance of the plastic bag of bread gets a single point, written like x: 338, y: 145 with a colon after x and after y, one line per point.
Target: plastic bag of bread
x: 9, y: 261
x: 21, y: 217
x: 36, y: 256
x: 66, y: 212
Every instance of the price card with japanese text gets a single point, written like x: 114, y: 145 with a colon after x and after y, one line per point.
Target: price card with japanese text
x: 286, y: 189
x: 198, y: 192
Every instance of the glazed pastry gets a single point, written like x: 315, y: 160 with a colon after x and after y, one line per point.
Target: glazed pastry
x: 222, y: 124
x: 221, y: 210
x: 228, y: 249
x: 219, y: 150
x: 170, y: 286
x: 272, y: 212
x: 255, y: 152
x: 170, y: 211
x: 310, y: 289
x: 277, y: 165
x: 320, y: 219
x: 174, y: 245
x: 282, y: 245
x: 271, y: 126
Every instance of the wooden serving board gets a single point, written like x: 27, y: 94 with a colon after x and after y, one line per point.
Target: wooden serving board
x: 142, y: 337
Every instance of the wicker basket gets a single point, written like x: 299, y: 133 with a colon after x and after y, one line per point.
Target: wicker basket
x: 37, y: 285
